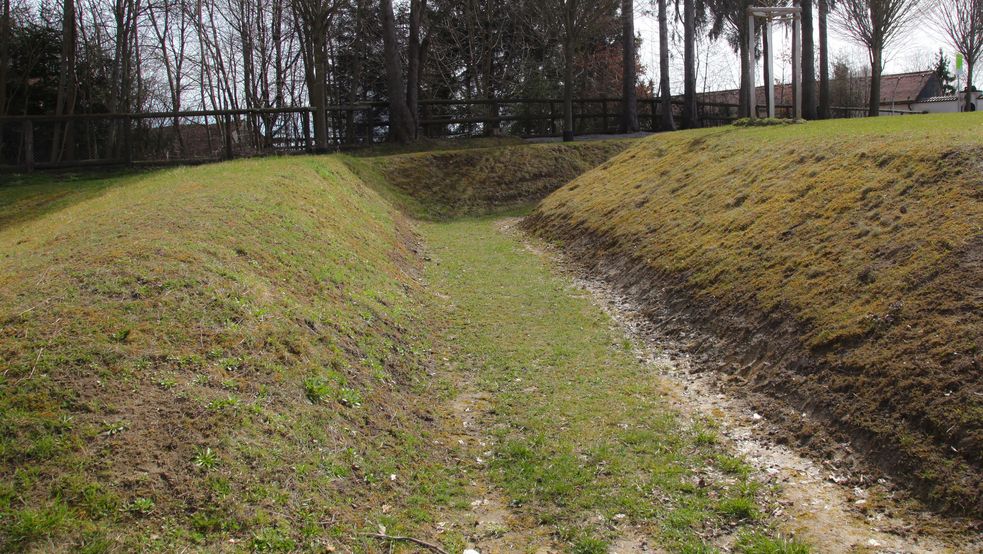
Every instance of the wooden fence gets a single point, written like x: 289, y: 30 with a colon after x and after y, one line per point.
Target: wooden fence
x: 48, y: 141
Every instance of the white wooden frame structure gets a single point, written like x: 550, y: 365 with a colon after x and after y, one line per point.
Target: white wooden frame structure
x: 769, y: 14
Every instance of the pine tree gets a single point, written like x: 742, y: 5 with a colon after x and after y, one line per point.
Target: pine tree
x: 941, y: 70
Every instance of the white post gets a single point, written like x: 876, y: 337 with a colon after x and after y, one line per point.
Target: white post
x: 797, y: 62
x: 769, y: 59
x: 752, y: 98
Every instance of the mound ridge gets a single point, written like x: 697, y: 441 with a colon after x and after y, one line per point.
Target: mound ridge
x: 197, y: 353
x: 838, y: 263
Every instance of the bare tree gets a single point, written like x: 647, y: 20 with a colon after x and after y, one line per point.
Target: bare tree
x: 961, y: 21
x: 729, y: 19
x: 401, y: 121
x: 414, y: 56
x: 4, y: 63
x: 171, y: 25
x: 572, y: 20
x: 690, y: 113
x: 629, y: 104
x: 875, y: 24
x: 313, y: 19
x: 665, y: 94
x: 4, y: 54
x: 808, y: 63
x: 824, y: 95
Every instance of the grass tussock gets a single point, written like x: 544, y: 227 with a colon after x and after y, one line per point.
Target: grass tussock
x: 854, y: 248
x: 444, y: 184
x: 216, y: 358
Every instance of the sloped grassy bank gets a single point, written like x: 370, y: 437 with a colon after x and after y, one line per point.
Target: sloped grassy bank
x: 839, y: 264
x: 226, y: 357
x: 443, y: 184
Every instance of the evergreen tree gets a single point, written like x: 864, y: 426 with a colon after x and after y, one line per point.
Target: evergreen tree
x: 941, y: 70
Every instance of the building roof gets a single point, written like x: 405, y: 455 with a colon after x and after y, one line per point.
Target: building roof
x: 898, y: 88
x: 949, y: 98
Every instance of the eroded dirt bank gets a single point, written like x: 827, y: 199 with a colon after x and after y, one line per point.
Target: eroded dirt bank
x: 822, y: 490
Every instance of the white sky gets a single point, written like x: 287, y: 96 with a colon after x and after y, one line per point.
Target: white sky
x: 719, y: 67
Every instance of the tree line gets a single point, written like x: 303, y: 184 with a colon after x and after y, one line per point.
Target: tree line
x: 117, y: 56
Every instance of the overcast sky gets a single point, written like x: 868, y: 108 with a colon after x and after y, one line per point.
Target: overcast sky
x: 720, y: 67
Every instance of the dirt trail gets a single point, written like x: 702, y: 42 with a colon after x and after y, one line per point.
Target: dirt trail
x: 811, y: 499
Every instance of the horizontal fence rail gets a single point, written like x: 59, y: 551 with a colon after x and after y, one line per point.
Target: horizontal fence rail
x: 195, y: 136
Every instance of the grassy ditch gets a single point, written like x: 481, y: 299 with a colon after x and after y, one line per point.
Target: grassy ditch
x: 843, y: 259
x: 445, y: 184
x: 583, y: 440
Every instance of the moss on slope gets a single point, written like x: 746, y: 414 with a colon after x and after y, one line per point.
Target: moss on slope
x: 444, y: 184
x: 848, y: 254
x: 216, y: 358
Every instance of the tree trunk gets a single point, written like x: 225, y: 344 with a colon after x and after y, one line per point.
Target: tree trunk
x: 969, y: 83
x: 400, y: 118
x: 568, y: 47
x: 629, y: 104
x: 766, y: 77
x: 4, y: 62
x: 492, y: 128
x: 319, y: 93
x: 358, y: 50
x: 824, y: 97
x: 746, y: 61
x: 65, y: 101
x: 667, y: 124
x: 4, y: 56
x: 808, y: 63
x: 417, y: 8
x: 690, y: 116
x: 874, y: 105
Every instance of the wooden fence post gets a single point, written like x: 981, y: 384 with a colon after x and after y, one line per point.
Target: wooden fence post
x: 604, y: 115
x: 28, y: 146
x: 127, y: 139
x: 228, y: 136
x: 305, y: 123
x: 552, y: 127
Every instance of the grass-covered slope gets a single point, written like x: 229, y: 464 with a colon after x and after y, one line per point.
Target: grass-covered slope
x: 844, y: 259
x: 216, y: 358
x: 447, y: 183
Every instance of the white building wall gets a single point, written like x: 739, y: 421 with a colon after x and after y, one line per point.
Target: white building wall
x: 947, y: 106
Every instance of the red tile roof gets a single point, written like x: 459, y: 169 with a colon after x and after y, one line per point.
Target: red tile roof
x: 899, y: 88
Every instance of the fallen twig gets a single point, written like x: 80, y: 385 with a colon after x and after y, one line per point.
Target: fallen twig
x: 415, y: 541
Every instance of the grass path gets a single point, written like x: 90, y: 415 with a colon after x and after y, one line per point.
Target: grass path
x: 570, y: 434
